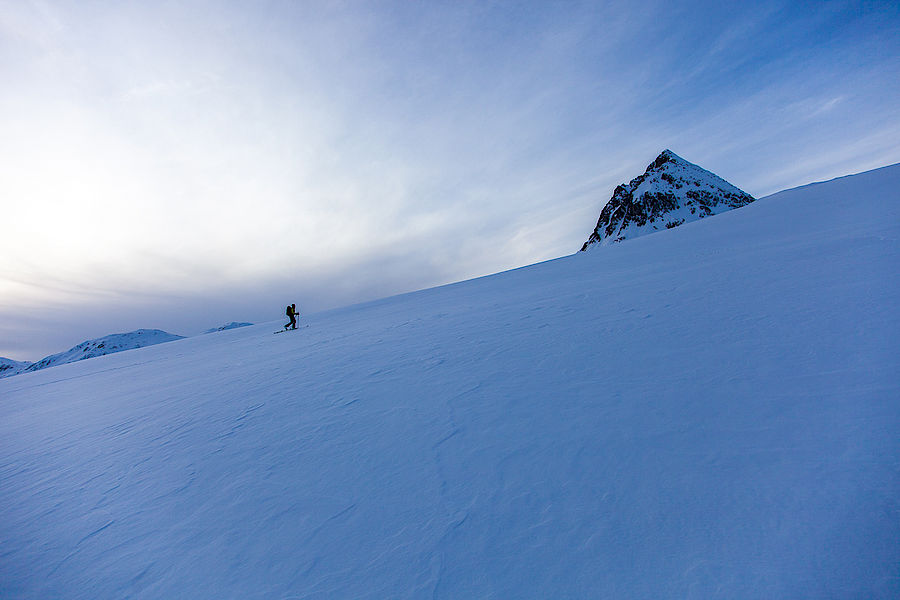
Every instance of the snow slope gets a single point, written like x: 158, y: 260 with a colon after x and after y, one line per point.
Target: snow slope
x: 670, y: 193
x: 116, y: 342
x: 709, y: 412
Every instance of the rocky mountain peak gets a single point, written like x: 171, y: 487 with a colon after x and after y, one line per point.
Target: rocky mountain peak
x: 664, y: 157
x: 671, y: 192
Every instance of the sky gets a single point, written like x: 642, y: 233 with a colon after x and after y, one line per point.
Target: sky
x: 181, y: 165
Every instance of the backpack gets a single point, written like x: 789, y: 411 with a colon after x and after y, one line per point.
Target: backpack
x: 288, y: 312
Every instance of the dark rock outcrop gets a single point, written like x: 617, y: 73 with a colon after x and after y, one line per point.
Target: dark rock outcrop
x: 671, y: 192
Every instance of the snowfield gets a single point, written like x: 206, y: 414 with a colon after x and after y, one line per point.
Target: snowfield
x: 711, y: 411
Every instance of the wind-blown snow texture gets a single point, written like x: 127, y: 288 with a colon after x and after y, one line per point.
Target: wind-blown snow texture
x: 671, y: 192
x: 116, y: 342
x: 710, y: 412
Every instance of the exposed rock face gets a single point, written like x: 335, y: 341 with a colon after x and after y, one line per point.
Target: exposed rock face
x: 671, y: 192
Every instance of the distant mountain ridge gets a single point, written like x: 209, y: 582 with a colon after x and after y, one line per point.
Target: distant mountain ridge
x: 116, y: 342
x: 671, y: 192
x: 232, y: 325
x: 11, y: 367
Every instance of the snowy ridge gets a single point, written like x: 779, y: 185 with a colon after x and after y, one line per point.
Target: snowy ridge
x: 232, y: 325
x: 116, y: 342
x: 109, y: 344
x: 11, y: 367
x: 720, y: 422
x: 671, y: 192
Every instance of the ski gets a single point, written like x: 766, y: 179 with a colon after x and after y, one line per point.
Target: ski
x: 295, y: 329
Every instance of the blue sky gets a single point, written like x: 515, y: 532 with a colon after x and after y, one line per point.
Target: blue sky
x: 180, y: 165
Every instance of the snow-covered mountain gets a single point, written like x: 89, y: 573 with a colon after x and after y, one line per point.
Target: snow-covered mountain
x: 109, y: 344
x: 719, y: 422
x: 232, y: 325
x: 116, y: 342
x: 671, y: 192
x: 11, y: 367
